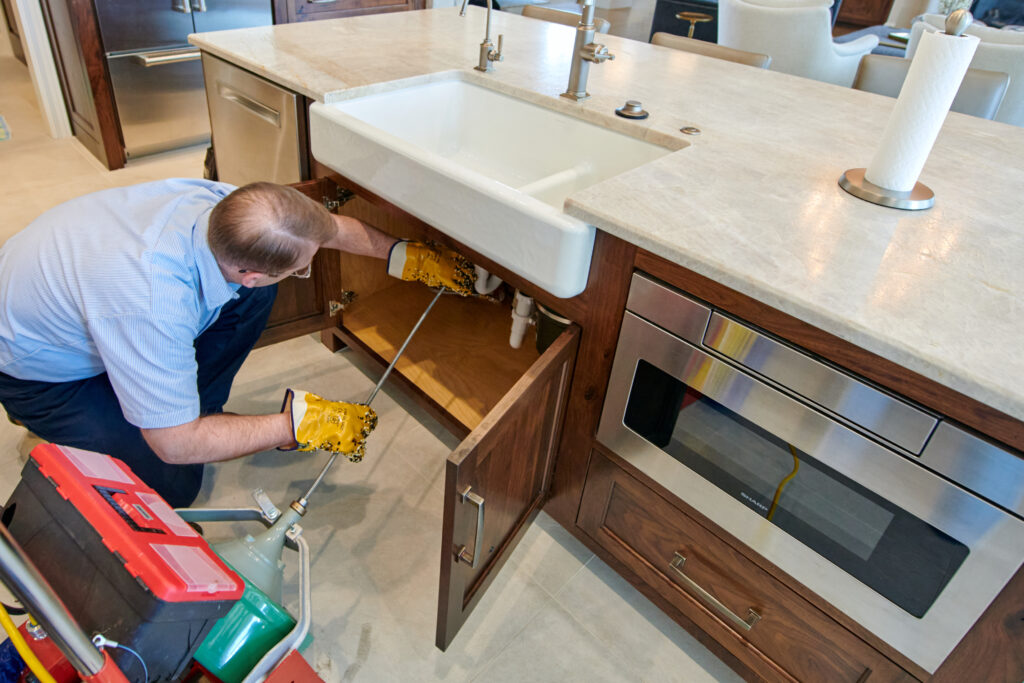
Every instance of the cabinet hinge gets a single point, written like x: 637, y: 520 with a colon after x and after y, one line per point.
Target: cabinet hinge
x: 340, y: 199
x: 334, y: 307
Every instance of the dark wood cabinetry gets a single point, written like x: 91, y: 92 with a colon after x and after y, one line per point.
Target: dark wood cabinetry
x: 504, y: 466
x: 287, y: 11
x: 510, y: 402
x: 864, y: 12
x: 82, y: 69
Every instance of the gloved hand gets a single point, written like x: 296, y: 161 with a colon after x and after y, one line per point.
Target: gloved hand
x: 433, y: 265
x: 334, y: 426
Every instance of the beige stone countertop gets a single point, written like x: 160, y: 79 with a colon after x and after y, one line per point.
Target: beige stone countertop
x: 753, y: 201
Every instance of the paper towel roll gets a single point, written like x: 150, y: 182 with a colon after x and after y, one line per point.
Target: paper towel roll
x: 932, y: 82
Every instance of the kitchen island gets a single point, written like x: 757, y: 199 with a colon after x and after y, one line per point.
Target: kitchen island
x: 751, y: 204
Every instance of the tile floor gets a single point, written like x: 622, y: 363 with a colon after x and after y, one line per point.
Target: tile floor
x: 556, y: 613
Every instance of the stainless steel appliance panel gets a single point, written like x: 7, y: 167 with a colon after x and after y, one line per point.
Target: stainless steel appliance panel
x: 677, y: 313
x: 256, y: 126
x: 220, y: 15
x: 994, y: 538
x: 980, y: 466
x: 132, y: 25
x: 890, y: 418
x: 160, y: 99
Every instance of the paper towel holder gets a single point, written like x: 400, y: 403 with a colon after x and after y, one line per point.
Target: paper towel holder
x: 921, y: 197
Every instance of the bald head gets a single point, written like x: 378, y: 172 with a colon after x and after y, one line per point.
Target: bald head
x: 267, y: 227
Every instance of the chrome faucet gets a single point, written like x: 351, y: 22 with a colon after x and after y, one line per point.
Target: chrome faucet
x: 584, y: 51
x: 487, y: 52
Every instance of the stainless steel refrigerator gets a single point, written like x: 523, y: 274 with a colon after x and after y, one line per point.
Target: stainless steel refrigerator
x: 156, y: 75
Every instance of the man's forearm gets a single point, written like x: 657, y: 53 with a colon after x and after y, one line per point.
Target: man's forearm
x: 220, y: 437
x: 357, y: 237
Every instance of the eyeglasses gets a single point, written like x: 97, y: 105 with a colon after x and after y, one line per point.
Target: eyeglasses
x: 302, y: 273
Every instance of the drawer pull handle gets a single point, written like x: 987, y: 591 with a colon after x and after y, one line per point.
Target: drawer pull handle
x: 476, y: 500
x: 745, y: 624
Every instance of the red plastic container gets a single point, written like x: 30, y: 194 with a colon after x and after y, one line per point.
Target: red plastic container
x: 124, y: 563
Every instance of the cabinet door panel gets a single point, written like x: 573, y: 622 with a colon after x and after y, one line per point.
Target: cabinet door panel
x: 496, y: 481
x: 719, y: 588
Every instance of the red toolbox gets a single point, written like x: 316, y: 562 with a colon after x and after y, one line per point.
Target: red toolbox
x: 123, y: 562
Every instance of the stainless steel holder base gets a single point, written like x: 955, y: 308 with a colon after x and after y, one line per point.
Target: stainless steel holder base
x: 921, y: 197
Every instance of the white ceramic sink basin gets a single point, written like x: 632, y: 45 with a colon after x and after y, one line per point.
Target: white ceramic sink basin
x: 488, y: 169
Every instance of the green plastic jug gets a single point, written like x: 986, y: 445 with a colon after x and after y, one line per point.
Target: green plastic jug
x: 247, y: 632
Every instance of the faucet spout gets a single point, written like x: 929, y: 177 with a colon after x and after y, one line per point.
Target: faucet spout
x: 584, y: 53
x: 487, y: 52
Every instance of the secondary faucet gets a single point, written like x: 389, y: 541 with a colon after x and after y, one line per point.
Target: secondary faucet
x: 487, y: 52
x: 584, y: 51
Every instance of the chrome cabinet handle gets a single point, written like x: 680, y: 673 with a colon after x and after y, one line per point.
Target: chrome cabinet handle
x: 320, y: 2
x: 271, y: 116
x: 169, y: 57
x: 181, y: 6
x: 745, y: 624
x: 198, y: 5
x: 476, y: 500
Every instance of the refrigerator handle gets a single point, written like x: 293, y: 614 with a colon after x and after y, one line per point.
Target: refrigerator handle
x: 198, y: 5
x: 181, y: 6
x: 154, y: 58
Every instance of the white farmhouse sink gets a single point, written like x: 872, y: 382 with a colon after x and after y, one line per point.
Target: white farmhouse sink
x: 488, y: 169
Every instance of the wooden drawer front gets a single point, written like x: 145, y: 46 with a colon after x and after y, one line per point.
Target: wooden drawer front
x: 791, y: 640
x: 309, y: 10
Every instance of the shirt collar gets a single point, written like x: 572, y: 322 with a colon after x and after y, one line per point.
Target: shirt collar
x: 215, y: 290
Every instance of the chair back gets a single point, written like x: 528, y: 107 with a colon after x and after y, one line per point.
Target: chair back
x: 562, y: 16
x: 702, y: 47
x: 796, y: 34
x: 999, y: 50
x: 980, y: 94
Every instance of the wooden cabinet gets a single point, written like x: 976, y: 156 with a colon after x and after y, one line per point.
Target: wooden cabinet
x: 287, y: 11
x: 508, y: 403
x: 10, y: 18
x: 82, y: 69
x: 864, y: 12
x: 768, y: 626
x: 496, y: 481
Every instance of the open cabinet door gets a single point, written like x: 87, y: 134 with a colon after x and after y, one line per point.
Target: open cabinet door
x: 496, y: 481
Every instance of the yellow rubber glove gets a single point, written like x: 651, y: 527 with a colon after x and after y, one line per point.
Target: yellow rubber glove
x: 433, y: 265
x: 334, y: 426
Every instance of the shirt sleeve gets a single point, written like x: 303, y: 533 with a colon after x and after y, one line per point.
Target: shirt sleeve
x: 151, y: 363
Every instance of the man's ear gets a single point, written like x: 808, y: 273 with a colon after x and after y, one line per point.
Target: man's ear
x: 250, y: 278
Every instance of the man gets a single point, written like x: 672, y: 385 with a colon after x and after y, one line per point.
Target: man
x: 125, y: 314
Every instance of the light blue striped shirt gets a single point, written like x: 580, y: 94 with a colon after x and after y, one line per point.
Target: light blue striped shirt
x: 120, y: 281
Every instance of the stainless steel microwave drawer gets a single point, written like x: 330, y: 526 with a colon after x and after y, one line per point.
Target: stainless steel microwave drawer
x: 894, y: 420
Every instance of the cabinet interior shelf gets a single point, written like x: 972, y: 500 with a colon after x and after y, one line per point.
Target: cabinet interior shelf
x: 460, y: 358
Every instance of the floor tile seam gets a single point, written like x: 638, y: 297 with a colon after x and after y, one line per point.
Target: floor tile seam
x: 553, y: 594
x: 559, y: 599
x: 475, y: 676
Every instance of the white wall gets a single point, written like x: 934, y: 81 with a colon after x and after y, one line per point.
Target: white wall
x: 41, y: 67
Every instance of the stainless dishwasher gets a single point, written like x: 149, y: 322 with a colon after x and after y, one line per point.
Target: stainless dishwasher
x: 258, y: 127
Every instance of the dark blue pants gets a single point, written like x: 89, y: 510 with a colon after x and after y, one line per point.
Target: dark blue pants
x: 86, y: 414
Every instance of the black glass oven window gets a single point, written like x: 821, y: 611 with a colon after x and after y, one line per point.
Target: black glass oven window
x: 896, y: 554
